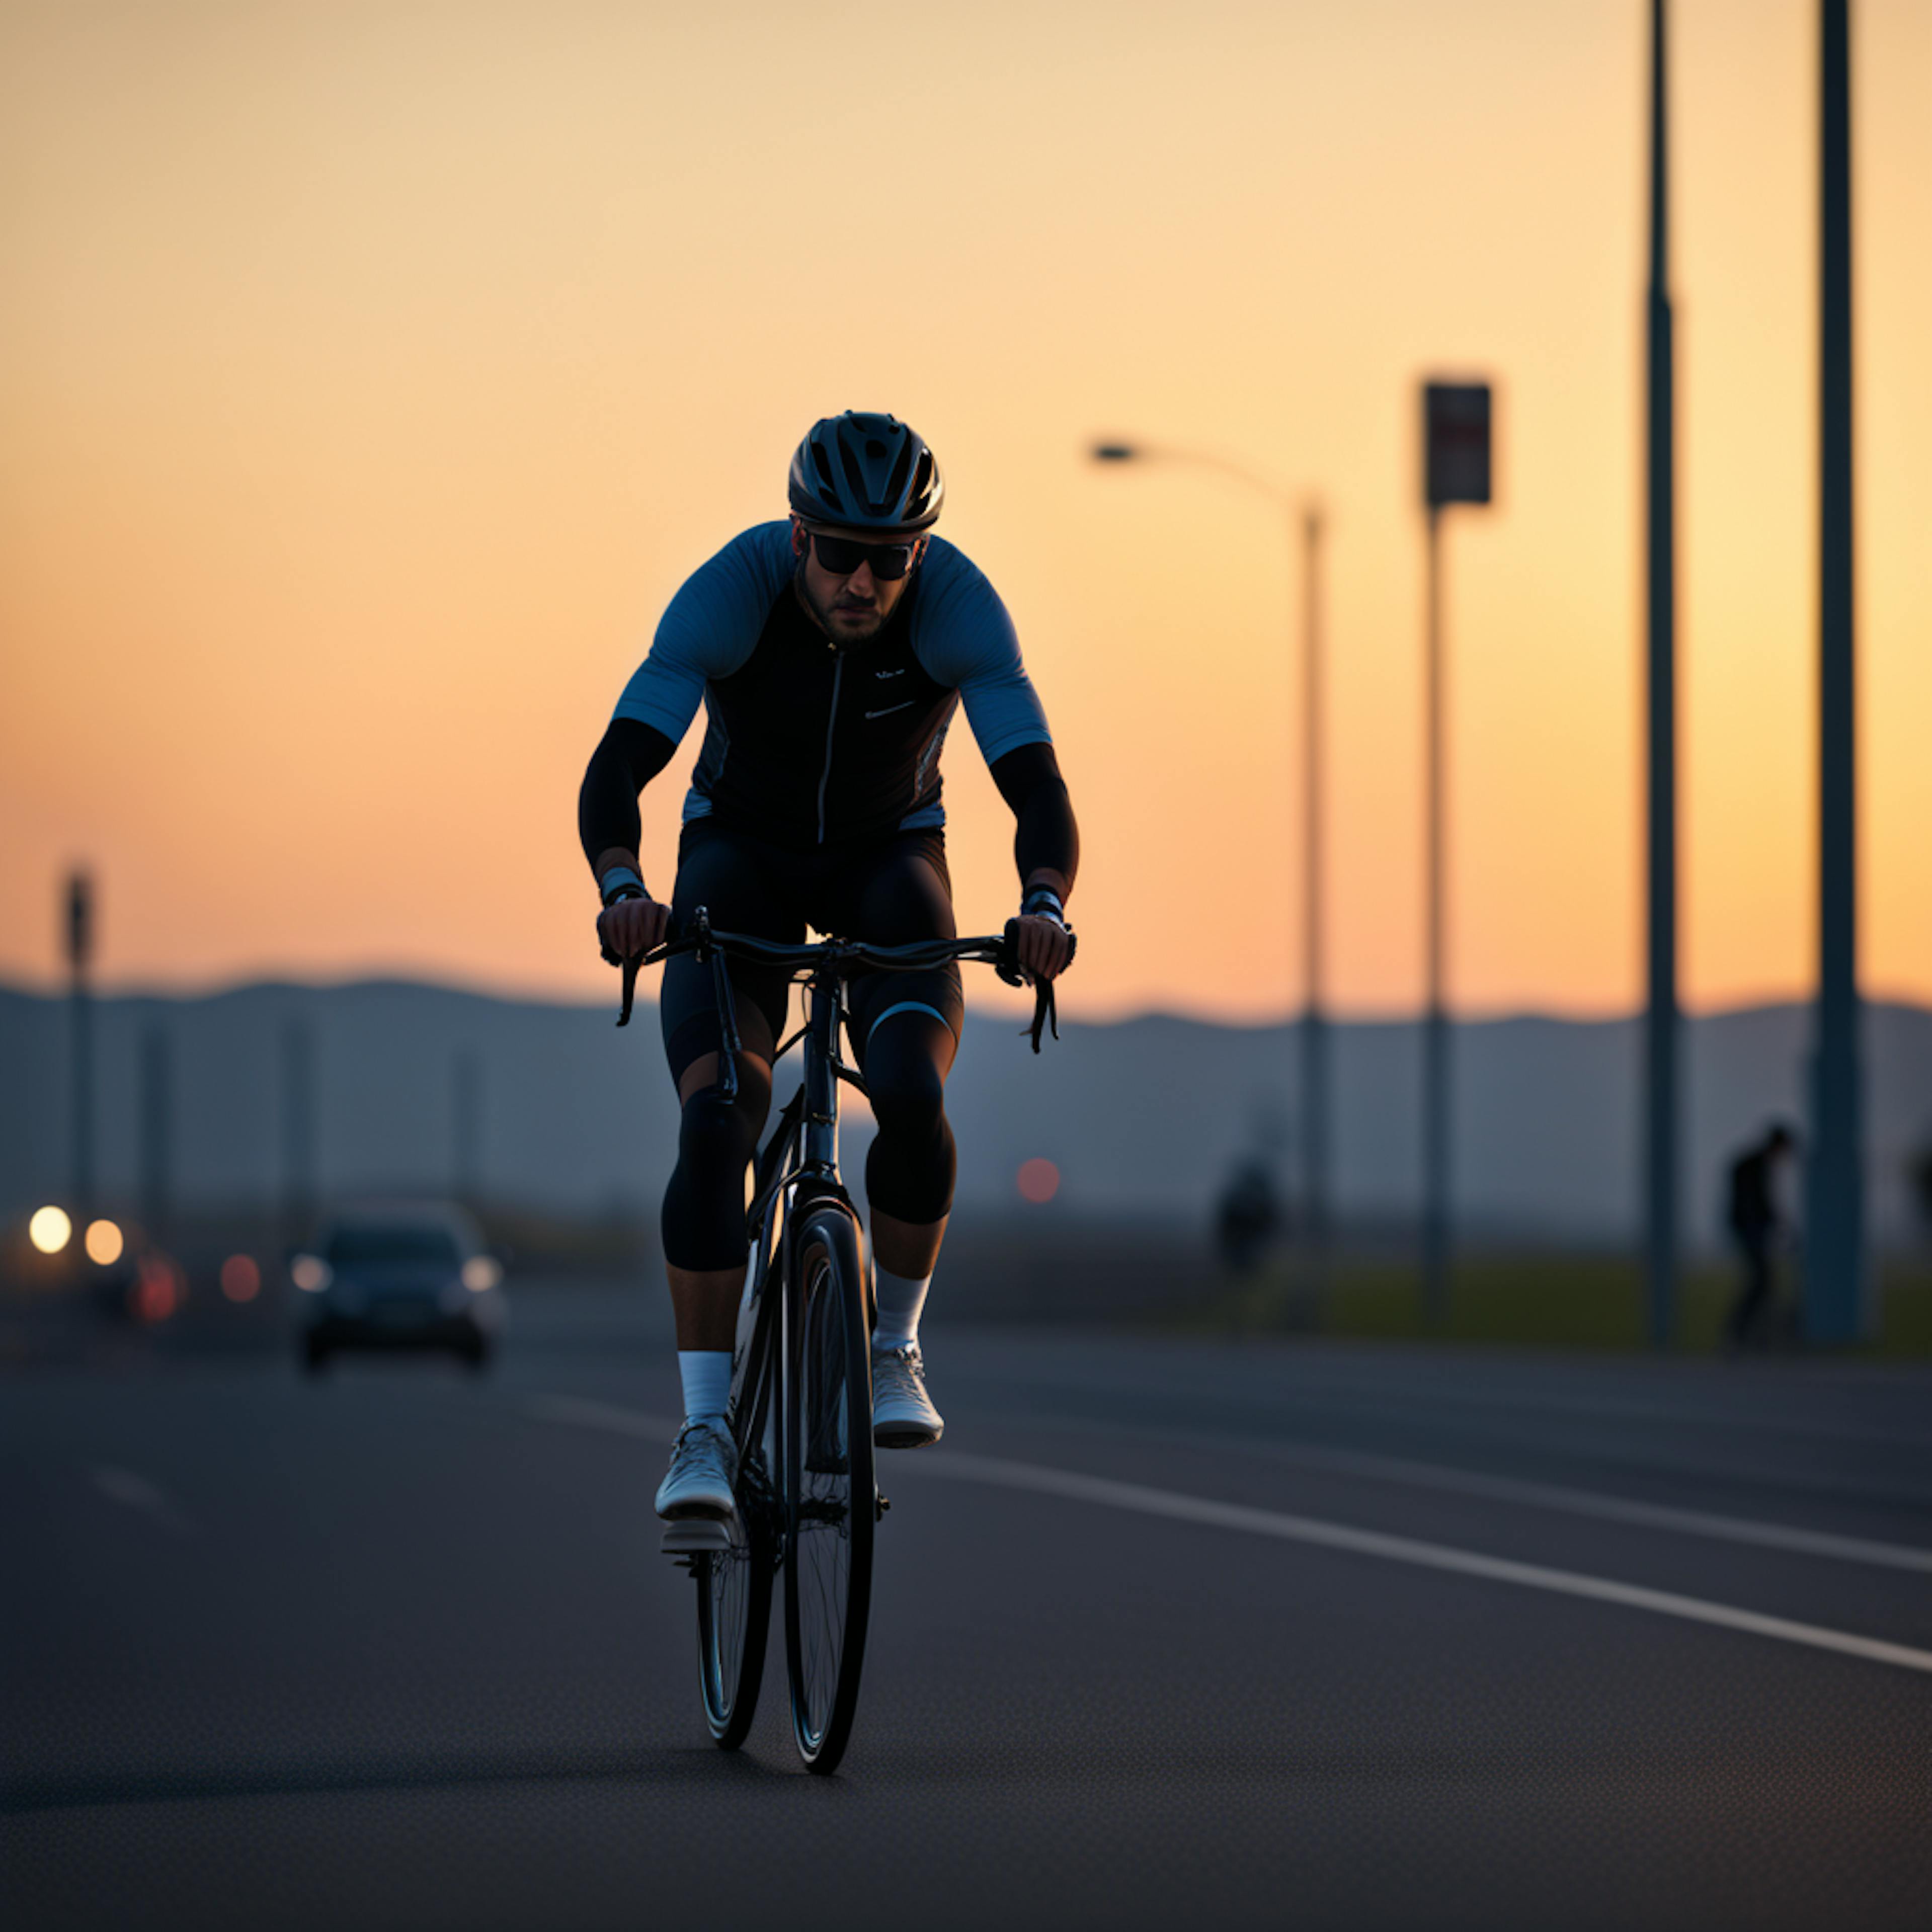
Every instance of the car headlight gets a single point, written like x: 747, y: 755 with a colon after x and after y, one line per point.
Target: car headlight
x: 482, y: 1273
x: 310, y: 1274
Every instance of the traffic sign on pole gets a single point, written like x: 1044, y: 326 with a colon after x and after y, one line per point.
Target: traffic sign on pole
x: 1456, y: 429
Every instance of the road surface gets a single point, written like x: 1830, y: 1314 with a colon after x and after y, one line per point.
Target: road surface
x: 1167, y: 1632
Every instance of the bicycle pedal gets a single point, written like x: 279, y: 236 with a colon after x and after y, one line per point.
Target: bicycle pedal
x: 696, y: 1536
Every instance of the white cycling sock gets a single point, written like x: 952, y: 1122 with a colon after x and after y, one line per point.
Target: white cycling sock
x: 901, y: 1301
x: 706, y: 1374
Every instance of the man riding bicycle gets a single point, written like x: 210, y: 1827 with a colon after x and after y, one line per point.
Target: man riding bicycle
x: 830, y: 653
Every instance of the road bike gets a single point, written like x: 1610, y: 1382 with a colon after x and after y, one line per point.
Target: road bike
x: 809, y: 1502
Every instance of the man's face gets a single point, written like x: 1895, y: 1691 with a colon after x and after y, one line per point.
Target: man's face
x: 850, y: 609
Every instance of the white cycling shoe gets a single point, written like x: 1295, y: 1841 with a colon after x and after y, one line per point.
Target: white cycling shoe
x: 903, y: 1416
x: 703, y: 1469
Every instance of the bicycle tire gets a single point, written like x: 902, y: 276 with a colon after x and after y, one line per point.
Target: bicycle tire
x: 734, y: 1585
x: 832, y: 1499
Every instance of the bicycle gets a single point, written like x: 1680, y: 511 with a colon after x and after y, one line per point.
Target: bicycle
x: 800, y: 1411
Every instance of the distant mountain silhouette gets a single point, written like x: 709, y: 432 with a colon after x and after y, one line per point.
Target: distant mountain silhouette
x: 1142, y: 1118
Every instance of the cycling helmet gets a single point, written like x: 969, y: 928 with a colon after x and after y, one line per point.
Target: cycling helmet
x: 862, y: 472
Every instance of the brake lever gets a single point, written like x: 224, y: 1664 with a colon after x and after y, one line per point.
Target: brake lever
x: 632, y: 966
x: 1044, y: 1013
x: 1046, y: 1009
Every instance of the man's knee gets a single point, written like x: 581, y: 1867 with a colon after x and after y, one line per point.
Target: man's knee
x: 906, y: 1060
x: 908, y: 1098
x: 703, y: 1221
x: 910, y: 1170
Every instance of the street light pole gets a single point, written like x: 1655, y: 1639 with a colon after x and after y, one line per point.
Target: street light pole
x: 1662, y: 1027
x: 1314, y: 1109
x: 1314, y: 1069
x: 80, y: 1006
x: 1834, y: 1257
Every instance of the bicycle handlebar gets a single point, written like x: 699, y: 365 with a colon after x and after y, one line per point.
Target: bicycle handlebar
x: 1000, y: 951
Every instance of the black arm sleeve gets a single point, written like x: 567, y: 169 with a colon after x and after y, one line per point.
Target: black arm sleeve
x: 628, y: 757
x: 1030, y: 781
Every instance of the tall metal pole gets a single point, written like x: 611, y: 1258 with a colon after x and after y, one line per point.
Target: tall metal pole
x: 466, y: 1099
x: 1315, y: 1143
x: 79, y: 956
x: 1662, y: 1024
x: 1834, y: 1259
x: 157, y: 1118
x: 1435, y: 1022
x: 298, y: 1190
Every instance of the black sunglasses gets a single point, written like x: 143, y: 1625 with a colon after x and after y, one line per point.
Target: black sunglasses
x: 841, y: 556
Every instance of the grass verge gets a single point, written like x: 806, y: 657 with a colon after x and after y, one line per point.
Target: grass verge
x: 1540, y: 1300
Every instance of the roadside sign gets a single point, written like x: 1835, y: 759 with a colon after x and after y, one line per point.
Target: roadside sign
x: 1456, y: 442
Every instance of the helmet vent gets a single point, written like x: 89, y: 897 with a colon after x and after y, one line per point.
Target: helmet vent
x: 855, y: 477
x: 901, y: 467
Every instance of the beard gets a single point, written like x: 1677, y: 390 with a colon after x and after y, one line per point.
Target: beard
x: 847, y: 632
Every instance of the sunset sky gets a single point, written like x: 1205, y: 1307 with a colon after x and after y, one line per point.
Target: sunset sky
x: 370, y: 376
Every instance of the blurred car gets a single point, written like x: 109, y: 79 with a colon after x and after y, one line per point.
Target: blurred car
x: 400, y: 1275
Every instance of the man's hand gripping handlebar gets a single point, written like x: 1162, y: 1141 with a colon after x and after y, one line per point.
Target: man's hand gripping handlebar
x: 1001, y: 952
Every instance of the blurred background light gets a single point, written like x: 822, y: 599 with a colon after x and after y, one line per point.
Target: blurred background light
x: 241, y: 1278
x: 482, y: 1273
x: 1038, y: 1180
x: 158, y: 1289
x: 310, y: 1274
x: 50, y: 1230
x: 104, y: 1244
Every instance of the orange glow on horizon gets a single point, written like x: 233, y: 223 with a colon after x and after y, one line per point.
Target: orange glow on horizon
x: 372, y: 377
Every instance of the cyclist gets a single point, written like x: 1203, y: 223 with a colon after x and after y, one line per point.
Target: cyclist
x: 830, y: 651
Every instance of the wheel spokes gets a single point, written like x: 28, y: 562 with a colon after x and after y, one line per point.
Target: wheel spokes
x: 822, y: 1551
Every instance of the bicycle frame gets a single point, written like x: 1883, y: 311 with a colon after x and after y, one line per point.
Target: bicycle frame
x: 798, y: 1168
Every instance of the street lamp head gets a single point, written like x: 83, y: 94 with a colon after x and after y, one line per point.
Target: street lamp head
x: 1114, y: 452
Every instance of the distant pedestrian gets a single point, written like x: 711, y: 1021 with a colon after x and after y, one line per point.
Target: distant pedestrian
x: 1248, y: 1215
x: 1755, y: 1224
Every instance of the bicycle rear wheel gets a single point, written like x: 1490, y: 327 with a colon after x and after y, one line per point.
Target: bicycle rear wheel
x: 832, y: 1502
x: 734, y: 1584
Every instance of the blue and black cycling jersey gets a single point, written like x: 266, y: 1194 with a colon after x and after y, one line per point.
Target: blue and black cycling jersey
x: 808, y: 744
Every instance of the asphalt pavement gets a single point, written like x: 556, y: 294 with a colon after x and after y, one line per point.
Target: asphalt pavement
x: 1167, y: 1631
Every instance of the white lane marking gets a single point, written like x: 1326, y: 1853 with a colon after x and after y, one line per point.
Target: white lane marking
x: 1072, y: 1486
x: 1545, y: 1495
x: 1622, y: 1509
x: 1075, y: 1487
x: 137, y: 1492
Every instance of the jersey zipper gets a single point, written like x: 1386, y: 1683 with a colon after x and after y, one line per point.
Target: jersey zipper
x: 831, y: 723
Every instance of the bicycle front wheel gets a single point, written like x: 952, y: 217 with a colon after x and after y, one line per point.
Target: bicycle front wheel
x: 734, y: 1584
x: 832, y: 1502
